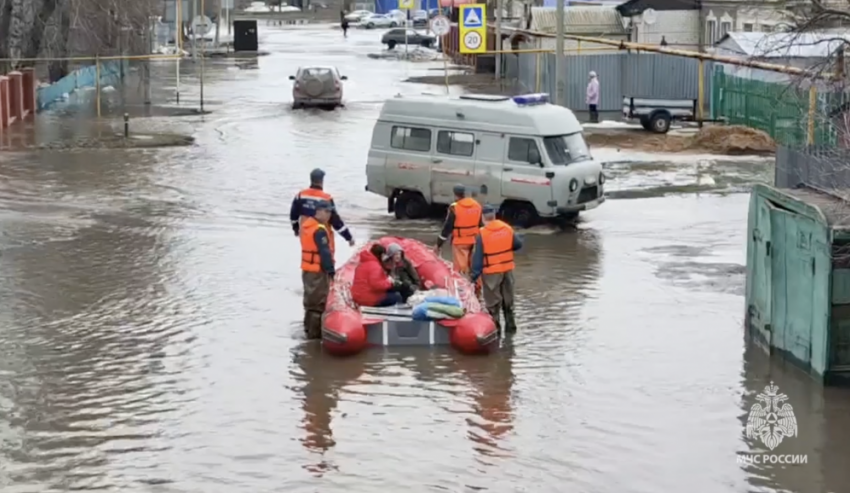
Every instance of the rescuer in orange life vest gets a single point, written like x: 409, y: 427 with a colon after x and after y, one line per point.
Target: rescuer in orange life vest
x: 304, y: 206
x: 317, y: 266
x: 462, y: 224
x: 493, y: 260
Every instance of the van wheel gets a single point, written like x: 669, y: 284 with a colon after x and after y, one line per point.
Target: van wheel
x: 566, y: 221
x: 390, y: 45
x: 519, y: 214
x: 411, y: 205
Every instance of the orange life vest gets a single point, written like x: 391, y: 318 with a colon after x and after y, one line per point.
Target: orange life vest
x: 315, y: 195
x: 311, y: 261
x: 467, y: 221
x: 497, y: 241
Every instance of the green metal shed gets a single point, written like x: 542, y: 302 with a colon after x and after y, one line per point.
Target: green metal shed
x: 798, y: 277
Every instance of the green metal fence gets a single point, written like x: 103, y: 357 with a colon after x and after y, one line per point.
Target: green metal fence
x: 780, y: 110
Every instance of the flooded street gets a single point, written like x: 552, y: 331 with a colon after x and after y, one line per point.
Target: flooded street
x: 151, y: 338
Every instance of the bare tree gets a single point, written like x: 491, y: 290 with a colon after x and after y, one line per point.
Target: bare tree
x: 65, y: 28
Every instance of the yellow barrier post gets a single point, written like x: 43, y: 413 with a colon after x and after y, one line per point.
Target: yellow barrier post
x: 700, y: 90
x: 537, y: 67
x: 578, y: 48
x: 97, y: 83
x: 813, y: 103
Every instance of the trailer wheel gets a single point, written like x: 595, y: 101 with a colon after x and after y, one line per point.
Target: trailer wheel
x: 659, y: 122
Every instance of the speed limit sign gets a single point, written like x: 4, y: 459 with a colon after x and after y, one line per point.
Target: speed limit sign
x: 440, y: 25
x: 472, y: 40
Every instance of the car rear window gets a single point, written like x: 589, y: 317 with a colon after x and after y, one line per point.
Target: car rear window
x: 317, y: 72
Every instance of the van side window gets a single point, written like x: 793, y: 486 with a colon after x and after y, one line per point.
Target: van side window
x: 455, y: 143
x: 519, y: 150
x: 411, y: 139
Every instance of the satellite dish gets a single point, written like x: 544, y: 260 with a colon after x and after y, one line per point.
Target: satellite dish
x: 201, y: 25
x: 649, y: 16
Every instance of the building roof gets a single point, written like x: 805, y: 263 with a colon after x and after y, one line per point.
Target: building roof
x: 782, y: 45
x: 636, y: 7
x: 579, y: 20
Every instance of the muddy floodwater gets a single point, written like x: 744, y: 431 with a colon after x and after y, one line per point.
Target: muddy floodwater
x: 150, y: 338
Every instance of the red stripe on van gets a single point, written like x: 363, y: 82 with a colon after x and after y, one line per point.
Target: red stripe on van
x: 531, y: 181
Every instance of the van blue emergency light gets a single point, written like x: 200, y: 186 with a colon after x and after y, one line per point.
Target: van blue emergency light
x: 529, y: 99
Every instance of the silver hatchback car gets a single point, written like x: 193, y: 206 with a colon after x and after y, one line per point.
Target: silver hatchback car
x: 317, y: 87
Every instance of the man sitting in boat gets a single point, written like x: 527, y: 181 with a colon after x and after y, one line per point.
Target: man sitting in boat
x: 372, y: 285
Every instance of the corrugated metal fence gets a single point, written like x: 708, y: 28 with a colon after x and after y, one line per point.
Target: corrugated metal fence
x: 823, y: 167
x: 643, y: 75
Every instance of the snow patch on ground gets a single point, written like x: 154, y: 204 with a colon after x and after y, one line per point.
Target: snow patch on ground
x: 606, y: 155
x: 611, y: 124
x: 417, y: 54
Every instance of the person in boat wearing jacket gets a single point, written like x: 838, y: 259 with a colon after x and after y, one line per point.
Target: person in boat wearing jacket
x: 402, y: 269
x: 317, y: 266
x: 493, y: 261
x: 462, y: 224
x: 372, y: 285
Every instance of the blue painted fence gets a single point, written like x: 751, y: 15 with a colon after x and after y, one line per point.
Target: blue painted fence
x: 110, y: 75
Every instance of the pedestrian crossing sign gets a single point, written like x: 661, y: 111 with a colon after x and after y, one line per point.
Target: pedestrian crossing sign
x: 472, y: 16
x: 406, y: 4
x: 473, y: 28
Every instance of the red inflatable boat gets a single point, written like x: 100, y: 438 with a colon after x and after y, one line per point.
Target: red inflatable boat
x: 348, y: 328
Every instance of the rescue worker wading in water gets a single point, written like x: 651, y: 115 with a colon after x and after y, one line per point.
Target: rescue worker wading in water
x: 304, y: 206
x: 493, y: 260
x: 462, y: 224
x: 317, y: 266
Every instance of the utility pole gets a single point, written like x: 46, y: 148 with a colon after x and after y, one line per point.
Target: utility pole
x: 194, y: 34
x: 498, y: 43
x: 218, y: 23
x: 560, y: 90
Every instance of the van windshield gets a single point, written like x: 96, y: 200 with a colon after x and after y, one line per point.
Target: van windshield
x: 566, y: 149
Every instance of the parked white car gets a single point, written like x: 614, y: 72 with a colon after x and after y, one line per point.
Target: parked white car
x: 357, y: 15
x: 400, y: 16
x: 378, y: 20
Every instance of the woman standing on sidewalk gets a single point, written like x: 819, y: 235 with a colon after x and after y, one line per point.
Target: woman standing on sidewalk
x: 592, y: 99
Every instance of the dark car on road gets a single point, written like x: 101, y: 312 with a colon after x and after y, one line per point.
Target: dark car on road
x: 395, y: 37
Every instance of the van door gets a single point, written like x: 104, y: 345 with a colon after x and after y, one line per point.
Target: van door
x: 453, y: 164
x: 489, y: 157
x: 523, y: 177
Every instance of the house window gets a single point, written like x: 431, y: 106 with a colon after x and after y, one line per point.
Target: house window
x: 711, y: 32
x: 455, y: 143
x: 748, y: 28
x: 725, y: 27
x: 411, y: 139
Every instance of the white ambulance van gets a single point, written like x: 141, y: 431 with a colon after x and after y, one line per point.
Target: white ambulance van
x: 520, y: 153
